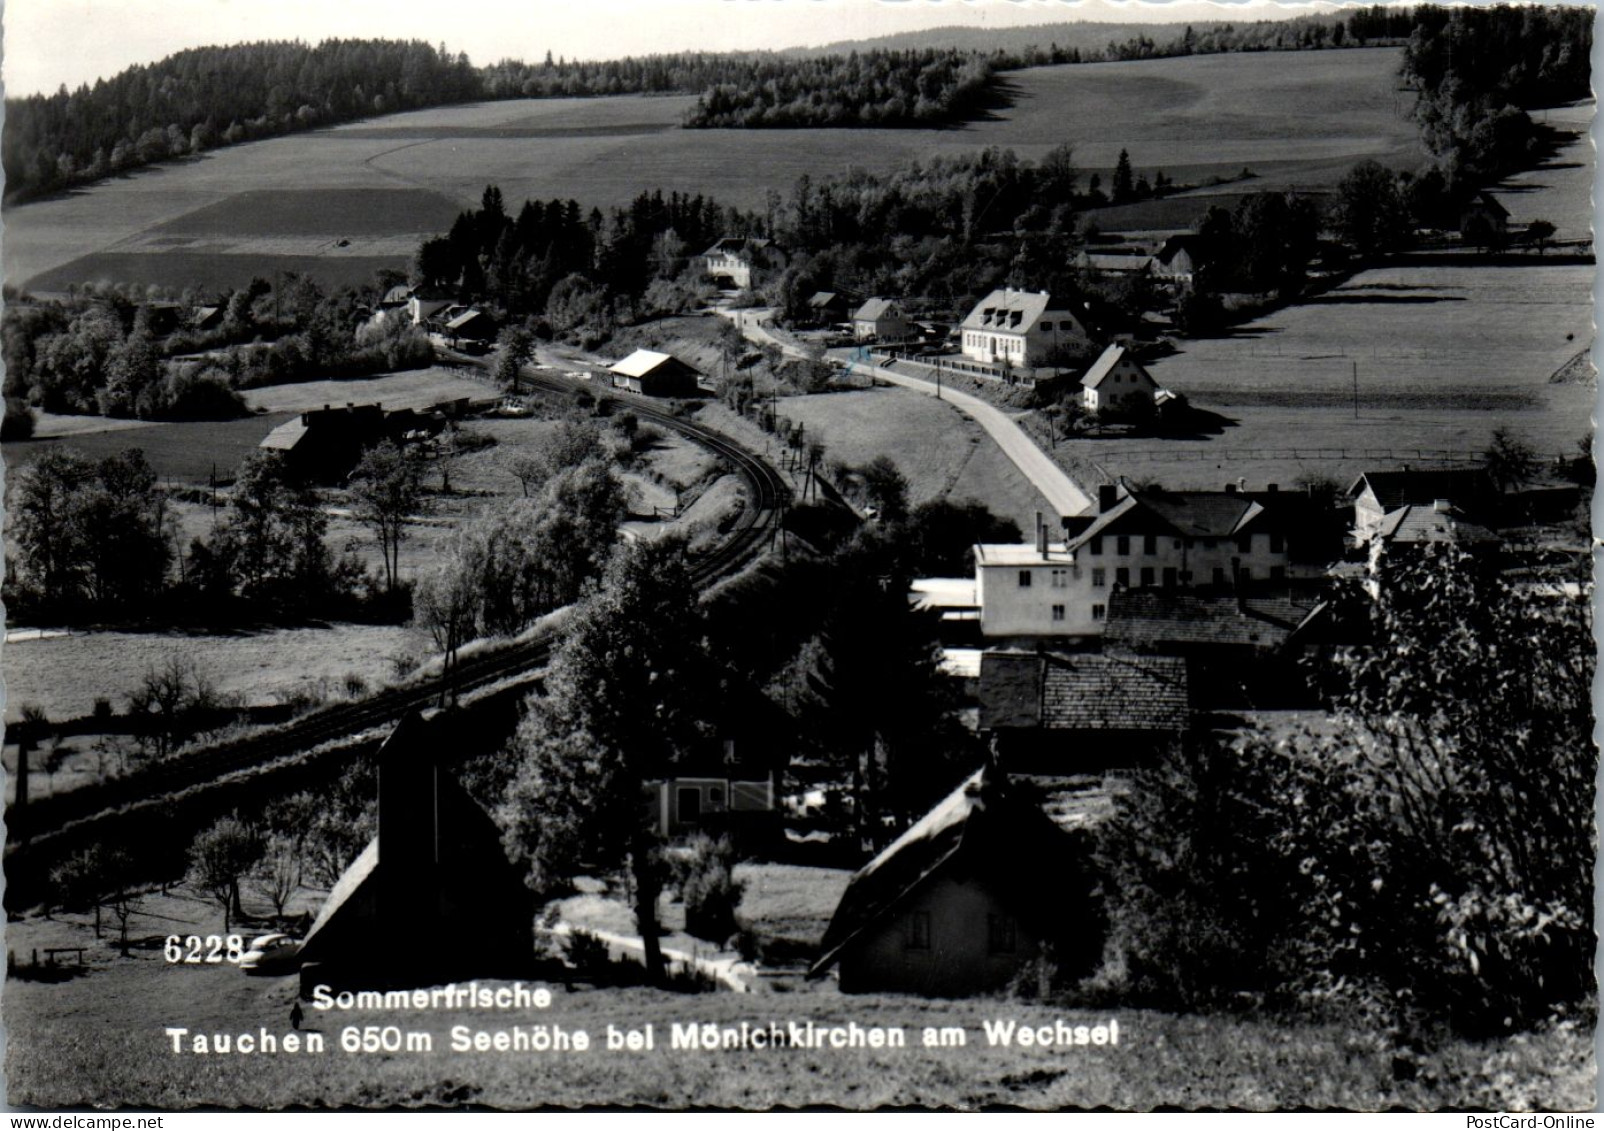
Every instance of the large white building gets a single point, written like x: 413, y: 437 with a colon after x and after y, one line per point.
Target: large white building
x: 1021, y: 328
x: 1136, y: 540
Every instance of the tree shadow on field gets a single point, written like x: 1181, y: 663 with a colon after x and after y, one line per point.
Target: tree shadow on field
x: 1379, y: 300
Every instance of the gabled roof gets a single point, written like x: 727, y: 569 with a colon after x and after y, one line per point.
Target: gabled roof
x: 1418, y: 523
x: 981, y: 821
x: 1189, y: 514
x: 1155, y: 619
x: 822, y: 299
x: 1394, y: 489
x: 1084, y: 691
x: 396, y: 295
x: 1106, y: 363
x: 642, y: 362
x: 1487, y: 200
x: 1175, y: 245
x: 1118, y: 262
x: 285, y: 436
x: 465, y: 318
x: 876, y: 309
x: 1013, y: 311
x: 737, y: 245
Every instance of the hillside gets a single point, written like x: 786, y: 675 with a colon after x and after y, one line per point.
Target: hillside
x: 1070, y: 35
x: 366, y: 191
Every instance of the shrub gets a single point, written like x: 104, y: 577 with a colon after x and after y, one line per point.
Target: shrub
x: 709, y: 888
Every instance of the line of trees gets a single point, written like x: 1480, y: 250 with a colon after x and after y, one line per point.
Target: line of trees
x: 875, y: 88
x: 95, y: 540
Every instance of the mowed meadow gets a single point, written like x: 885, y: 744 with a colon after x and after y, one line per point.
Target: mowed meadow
x: 340, y: 203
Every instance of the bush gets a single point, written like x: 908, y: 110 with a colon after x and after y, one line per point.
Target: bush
x: 709, y: 889
x: 1429, y: 850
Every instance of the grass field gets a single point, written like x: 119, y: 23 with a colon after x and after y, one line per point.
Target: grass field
x: 65, y: 674
x: 415, y: 389
x: 99, y: 1039
x: 940, y: 451
x: 180, y: 453
x: 286, y: 203
x: 1444, y: 355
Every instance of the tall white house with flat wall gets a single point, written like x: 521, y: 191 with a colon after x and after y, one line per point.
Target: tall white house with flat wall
x: 1216, y: 540
x: 1021, y: 328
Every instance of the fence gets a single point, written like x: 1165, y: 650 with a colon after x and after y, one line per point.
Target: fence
x: 1376, y: 455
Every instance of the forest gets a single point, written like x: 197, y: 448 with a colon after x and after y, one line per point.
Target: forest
x: 207, y: 97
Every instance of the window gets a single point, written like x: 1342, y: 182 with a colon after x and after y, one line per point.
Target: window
x: 1058, y: 612
x: 1060, y: 579
x: 1278, y: 544
x: 690, y: 805
x: 919, y: 931
x: 715, y: 798
x: 1147, y: 575
x: 1208, y: 543
x: 1097, y: 544
x: 1001, y: 934
x: 1149, y: 543
x: 1122, y: 576
x: 1179, y: 544
x: 1244, y: 544
x: 1098, y: 611
x: 1278, y: 573
x: 1169, y: 577
x: 1219, y: 576
x: 1046, y: 327
x: 1024, y: 579
x: 1122, y: 544
x: 1244, y: 573
x: 1099, y: 578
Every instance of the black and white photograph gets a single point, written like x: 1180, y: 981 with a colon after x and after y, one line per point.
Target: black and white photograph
x: 965, y: 555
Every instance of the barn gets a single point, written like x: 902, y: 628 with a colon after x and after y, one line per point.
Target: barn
x: 433, y: 898
x: 655, y: 375
x: 965, y: 899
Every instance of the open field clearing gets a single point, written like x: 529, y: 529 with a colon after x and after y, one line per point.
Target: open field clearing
x: 65, y: 674
x: 99, y: 1039
x: 288, y: 203
x: 1561, y: 189
x: 1444, y: 356
x: 181, y: 453
x: 415, y: 389
x: 940, y: 451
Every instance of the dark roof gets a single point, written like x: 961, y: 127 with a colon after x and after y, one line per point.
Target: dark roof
x: 1190, y: 514
x: 1086, y: 691
x: 1155, y: 619
x: 983, y: 822
x: 1394, y: 489
x: 1490, y: 202
x: 737, y: 245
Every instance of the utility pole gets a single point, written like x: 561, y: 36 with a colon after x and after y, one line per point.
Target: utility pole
x: 938, y: 378
x: 1356, y: 390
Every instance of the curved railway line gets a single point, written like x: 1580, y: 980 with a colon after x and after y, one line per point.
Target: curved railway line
x: 46, y: 818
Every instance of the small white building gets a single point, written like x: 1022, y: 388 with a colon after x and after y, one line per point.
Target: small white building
x: 738, y: 259
x: 1117, y: 382
x: 879, y: 320
x: 1021, y: 328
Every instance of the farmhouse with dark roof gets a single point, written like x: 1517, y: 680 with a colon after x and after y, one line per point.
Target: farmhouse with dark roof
x: 964, y: 899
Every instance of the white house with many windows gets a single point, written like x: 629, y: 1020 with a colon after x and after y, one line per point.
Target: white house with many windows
x: 1136, y: 540
x: 1021, y: 328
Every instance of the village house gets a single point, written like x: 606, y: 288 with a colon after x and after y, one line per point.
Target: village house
x: 739, y: 260
x: 955, y: 906
x: 1136, y: 540
x: 826, y: 308
x: 726, y: 787
x: 467, y: 327
x: 1023, y: 329
x: 1467, y: 492
x: 879, y: 320
x: 433, y: 896
x: 1118, y: 384
x: 1117, y: 262
x: 655, y: 374
x: 1176, y: 262
x: 1078, y: 713
x: 324, y: 445
x: 1483, y: 215
x: 424, y: 303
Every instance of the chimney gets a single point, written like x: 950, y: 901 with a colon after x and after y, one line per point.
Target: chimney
x: 1107, y: 496
x: 1273, y: 488
x: 1230, y: 488
x: 1041, y: 535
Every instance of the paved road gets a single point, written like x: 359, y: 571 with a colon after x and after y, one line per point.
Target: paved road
x: 1056, y: 487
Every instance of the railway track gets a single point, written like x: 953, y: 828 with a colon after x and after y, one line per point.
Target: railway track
x: 766, y: 489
